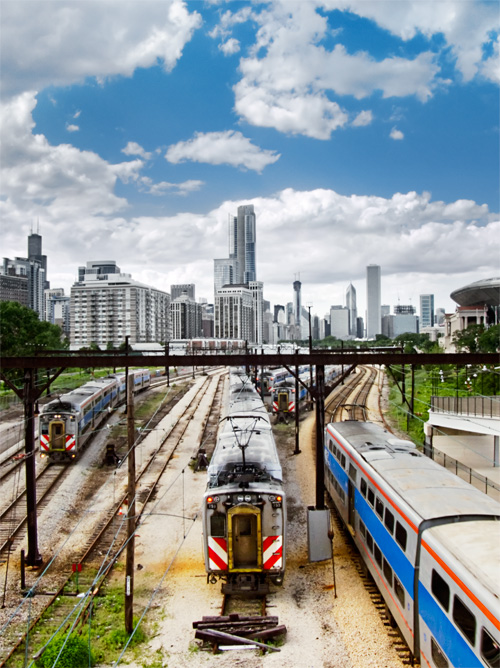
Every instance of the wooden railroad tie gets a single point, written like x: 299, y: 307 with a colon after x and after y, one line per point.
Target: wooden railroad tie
x: 235, y: 629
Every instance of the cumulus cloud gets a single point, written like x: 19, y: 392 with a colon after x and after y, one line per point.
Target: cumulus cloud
x: 230, y: 47
x: 56, y: 43
x: 132, y: 148
x: 396, y: 134
x: 363, y: 118
x: 72, y: 128
x: 164, y: 187
x: 222, y: 148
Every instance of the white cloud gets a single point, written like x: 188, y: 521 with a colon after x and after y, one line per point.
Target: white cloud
x: 230, y: 47
x: 222, y: 148
x: 60, y: 43
x: 132, y: 148
x: 362, y: 119
x: 77, y: 114
x: 72, y: 128
x: 396, y: 134
x: 164, y: 187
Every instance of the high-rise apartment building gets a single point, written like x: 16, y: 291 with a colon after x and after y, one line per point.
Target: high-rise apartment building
x: 107, y: 306
x: 350, y: 302
x: 57, y: 308
x: 34, y: 274
x: 339, y: 322
x: 257, y: 289
x: 186, y: 316
x: 234, y: 313
x: 373, y: 301
x: 427, y: 310
x: 224, y: 273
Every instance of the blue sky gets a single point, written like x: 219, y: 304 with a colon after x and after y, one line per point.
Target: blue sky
x: 363, y: 133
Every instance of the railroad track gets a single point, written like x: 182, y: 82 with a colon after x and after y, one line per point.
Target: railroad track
x: 397, y: 641
x: 106, y: 543
x: 341, y: 401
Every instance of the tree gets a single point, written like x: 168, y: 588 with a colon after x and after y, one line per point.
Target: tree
x: 22, y: 333
x: 489, y: 340
x: 478, y: 339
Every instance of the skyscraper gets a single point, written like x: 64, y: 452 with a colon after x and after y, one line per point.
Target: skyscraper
x: 242, y: 244
x: 350, y: 302
x: 426, y: 311
x: 373, y: 301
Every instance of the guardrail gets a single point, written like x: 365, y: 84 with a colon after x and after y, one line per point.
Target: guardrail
x: 488, y: 407
x: 464, y: 472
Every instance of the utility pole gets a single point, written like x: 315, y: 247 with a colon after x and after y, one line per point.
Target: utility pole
x: 297, y: 448
x: 129, y: 562
x: 29, y: 397
x: 320, y: 436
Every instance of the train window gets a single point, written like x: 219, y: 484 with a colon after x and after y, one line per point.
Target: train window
x: 343, y: 461
x: 362, y: 528
x: 379, y: 507
x: 389, y: 520
x: 490, y: 649
x: 377, y: 553
x: 400, y: 592
x: 352, y: 473
x: 441, y: 590
x: 218, y: 525
x: 363, y: 487
x: 464, y: 619
x: 401, y: 535
x: 369, y: 541
x: 388, y: 572
x: 438, y: 657
x: 371, y: 497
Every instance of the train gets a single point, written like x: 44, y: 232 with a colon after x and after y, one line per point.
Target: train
x: 244, y: 505
x: 284, y: 400
x: 67, y: 423
x: 430, y: 541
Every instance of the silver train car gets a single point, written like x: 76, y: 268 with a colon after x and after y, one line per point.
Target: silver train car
x: 430, y: 541
x: 244, y: 506
x: 67, y: 423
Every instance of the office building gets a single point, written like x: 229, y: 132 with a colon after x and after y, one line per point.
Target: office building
x: 426, y: 310
x: 242, y: 238
x: 14, y: 288
x: 224, y: 273
x: 350, y: 302
x: 34, y: 275
x: 373, y: 301
x: 57, y: 308
x: 181, y: 289
x: 257, y: 288
x: 35, y: 254
x: 107, y: 306
x: 339, y: 322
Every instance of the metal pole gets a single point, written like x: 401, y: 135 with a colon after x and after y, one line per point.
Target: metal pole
x: 297, y: 448
x: 34, y: 558
x: 320, y: 435
x: 167, y: 365
x: 129, y: 564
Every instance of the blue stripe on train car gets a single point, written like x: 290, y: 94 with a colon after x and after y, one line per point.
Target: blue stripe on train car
x: 398, y: 561
x: 338, y: 471
x: 456, y: 648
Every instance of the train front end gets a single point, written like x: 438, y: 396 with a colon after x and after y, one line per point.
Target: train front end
x: 244, y: 534
x: 58, y: 431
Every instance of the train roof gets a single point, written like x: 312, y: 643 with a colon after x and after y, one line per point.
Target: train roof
x: 427, y: 487
x: 477, y: 549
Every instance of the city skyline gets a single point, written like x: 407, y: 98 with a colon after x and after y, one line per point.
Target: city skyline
x: 360, y: 136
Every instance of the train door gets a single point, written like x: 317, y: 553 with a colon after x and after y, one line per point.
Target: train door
x: 57, y: 436
x: 283, y: 401
x: 245, y: 538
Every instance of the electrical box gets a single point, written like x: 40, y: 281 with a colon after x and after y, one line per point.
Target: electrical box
x: 319, y: 544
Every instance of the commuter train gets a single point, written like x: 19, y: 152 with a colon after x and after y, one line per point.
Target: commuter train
x: 430, y: 541
x: 283, y: 395
x: 67, y: 423
x: 244, y: 508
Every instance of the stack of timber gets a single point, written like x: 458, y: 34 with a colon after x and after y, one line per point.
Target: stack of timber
x: 237, y: 631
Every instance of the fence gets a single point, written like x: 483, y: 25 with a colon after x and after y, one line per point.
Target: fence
x: 488, y: 407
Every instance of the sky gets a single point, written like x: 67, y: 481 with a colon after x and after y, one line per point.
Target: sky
x: 362, y: 131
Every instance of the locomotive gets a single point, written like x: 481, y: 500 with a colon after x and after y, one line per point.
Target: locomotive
x: 283, y: 394
x: 67, y: 423
x: 430, y: 541
x: 244, y: 506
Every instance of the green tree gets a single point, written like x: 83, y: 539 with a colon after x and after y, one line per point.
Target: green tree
x: 489, y: 339
x: 478, y: 339
x: 22, y: 332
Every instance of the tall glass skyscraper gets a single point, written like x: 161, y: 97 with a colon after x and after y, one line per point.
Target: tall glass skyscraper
x: 373, y: 301
x: 426, y: 311
x: 350, y: 302
x: 242, y: 244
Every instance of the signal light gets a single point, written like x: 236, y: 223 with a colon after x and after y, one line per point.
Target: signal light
x: 279, y: 498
